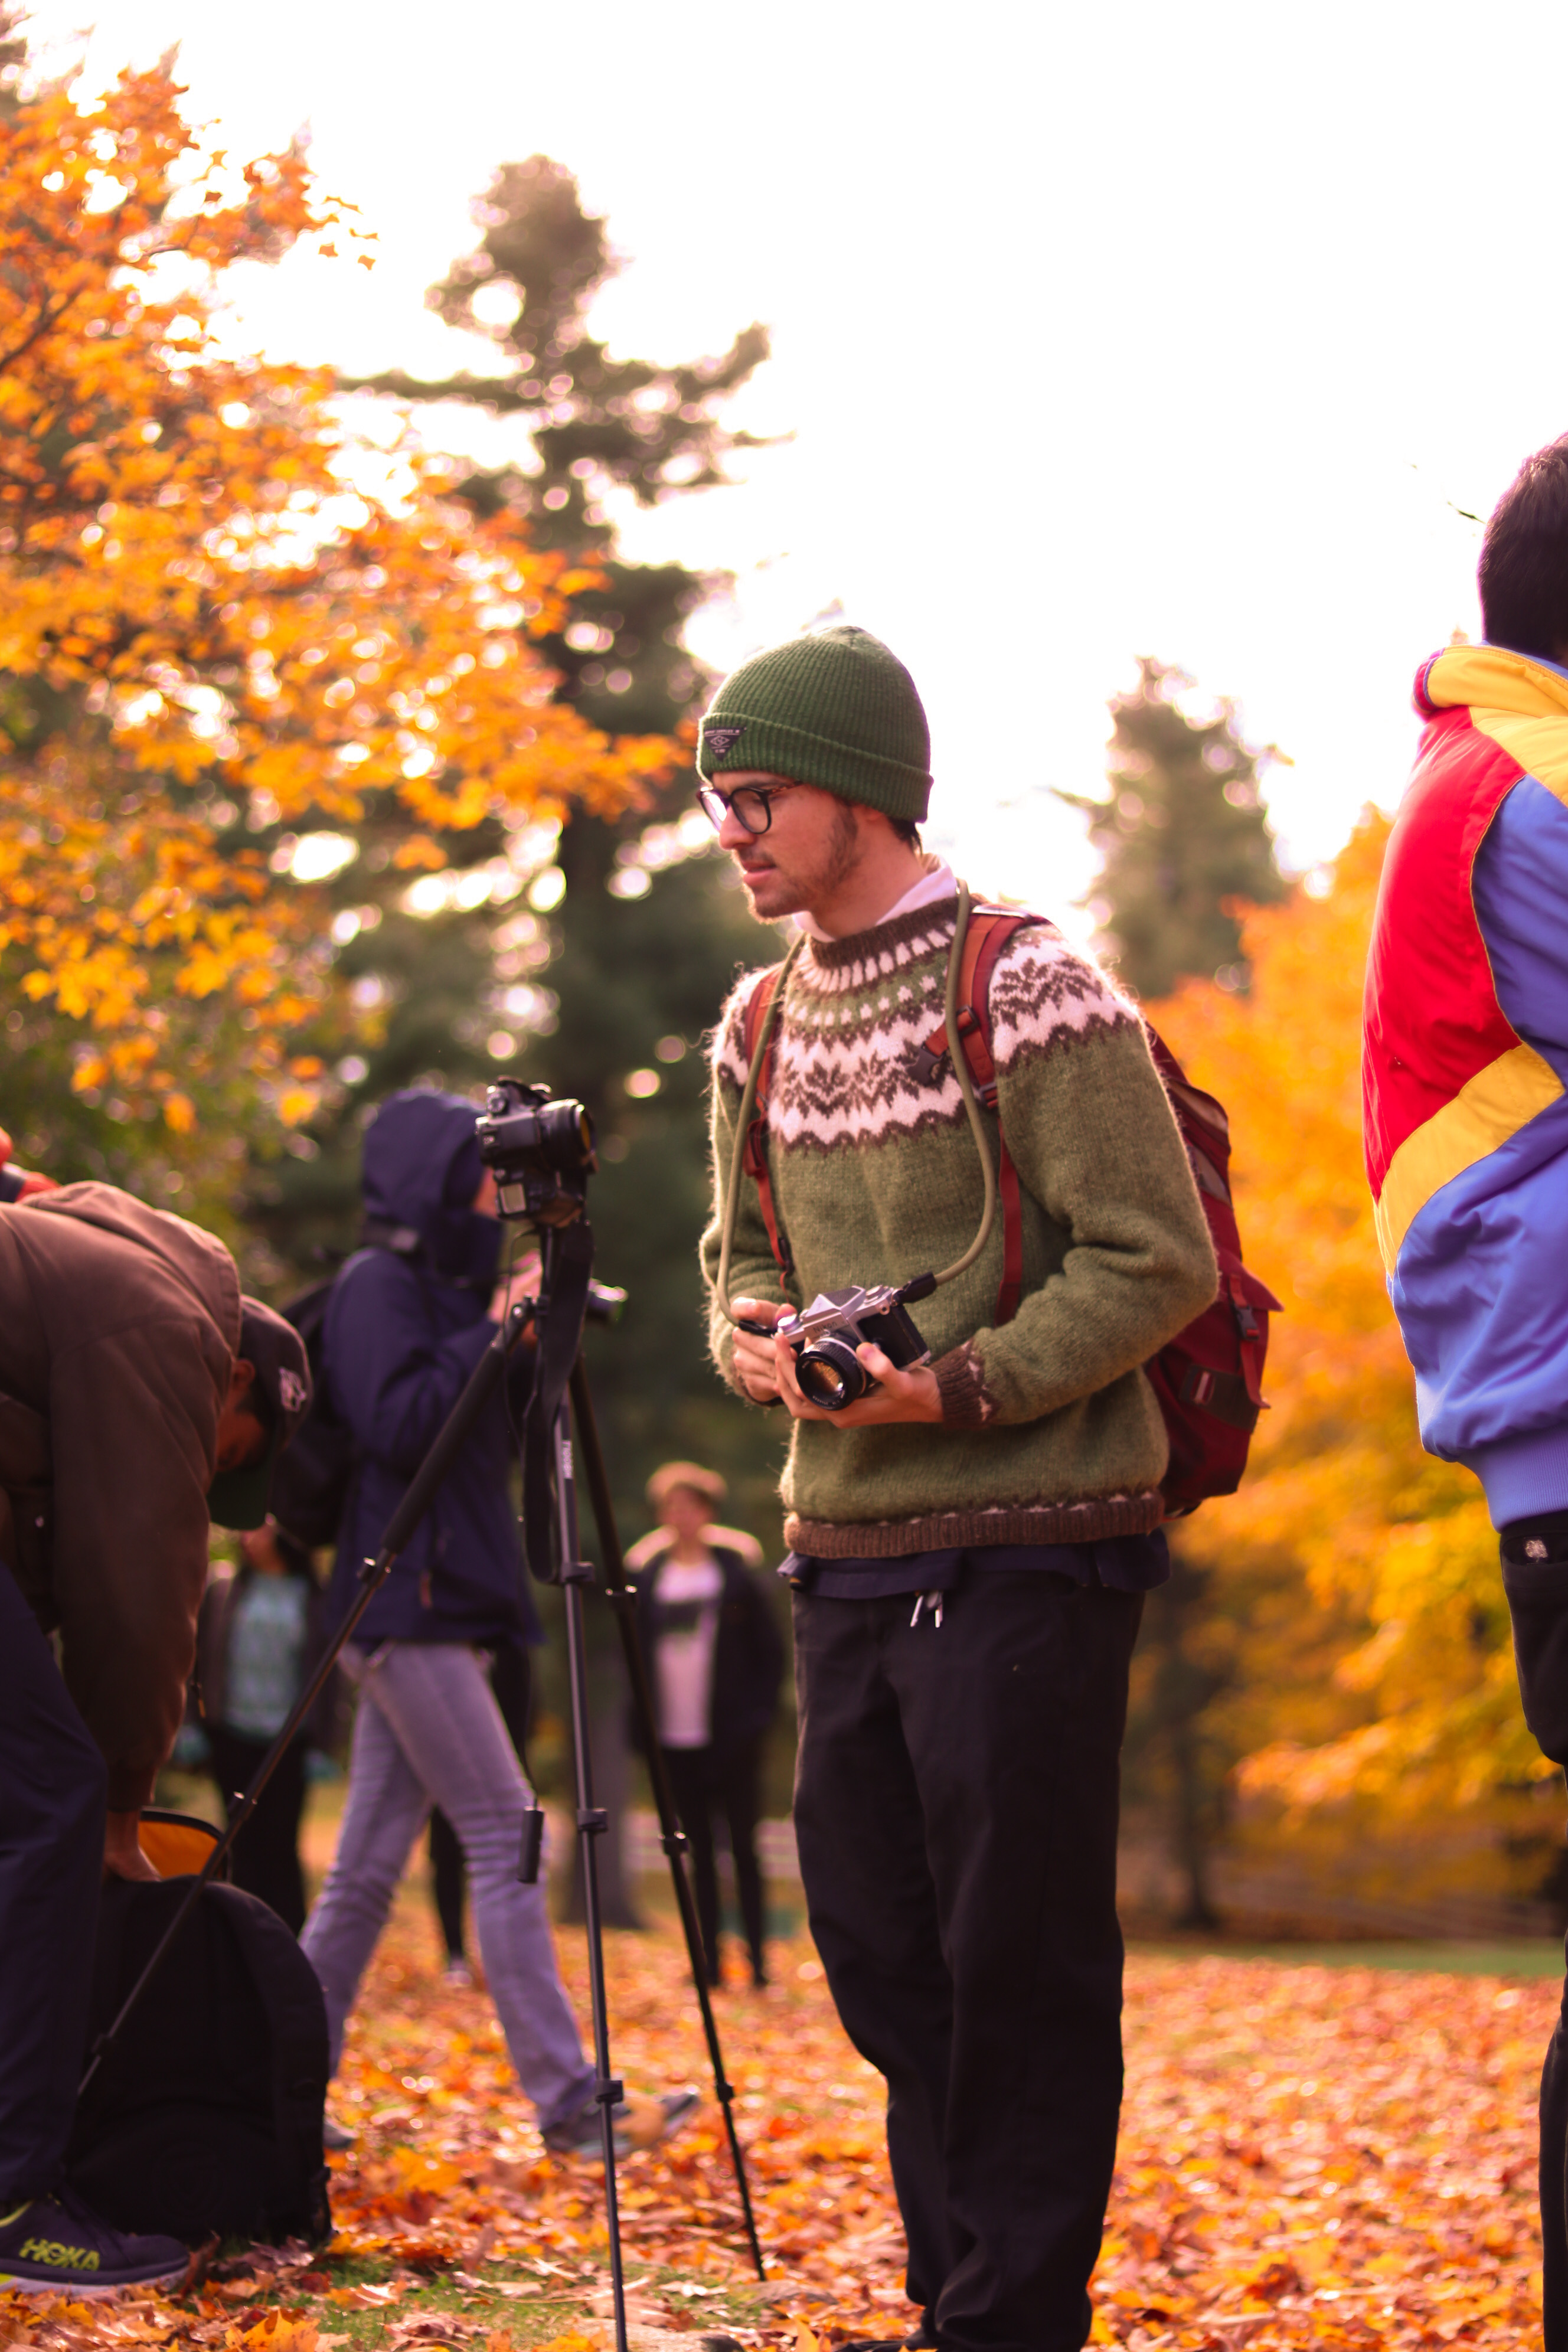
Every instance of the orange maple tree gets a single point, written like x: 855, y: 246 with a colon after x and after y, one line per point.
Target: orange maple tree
x: 215, y: 608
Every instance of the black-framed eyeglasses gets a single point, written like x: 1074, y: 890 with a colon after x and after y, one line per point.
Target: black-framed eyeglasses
x: 750, y: 805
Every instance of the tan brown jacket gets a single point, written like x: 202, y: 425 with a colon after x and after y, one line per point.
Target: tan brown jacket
x: 118, y: 1328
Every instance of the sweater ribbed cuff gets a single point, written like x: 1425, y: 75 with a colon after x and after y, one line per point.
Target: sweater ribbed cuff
x: 966, y: 1402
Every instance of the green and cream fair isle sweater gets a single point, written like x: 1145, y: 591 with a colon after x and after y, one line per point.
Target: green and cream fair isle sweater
x: 1050, y: 1433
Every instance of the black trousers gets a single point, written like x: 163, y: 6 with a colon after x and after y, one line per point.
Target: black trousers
x: 52, y: 1799
x: 512, y: 1679
x: 266, y: 1857
x: 1538, y: 1601
x: 709, y: 1780
x: 956, y: 1807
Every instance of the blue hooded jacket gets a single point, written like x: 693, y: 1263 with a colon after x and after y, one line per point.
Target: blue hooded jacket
x: 402, y: 1333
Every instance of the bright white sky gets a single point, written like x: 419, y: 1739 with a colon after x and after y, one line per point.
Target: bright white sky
x: 1099, y: 330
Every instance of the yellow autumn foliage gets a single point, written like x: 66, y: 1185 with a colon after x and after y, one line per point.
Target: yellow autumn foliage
x: 213, y: 603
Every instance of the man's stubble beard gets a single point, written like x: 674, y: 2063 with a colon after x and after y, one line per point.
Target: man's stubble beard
x: 802, y: 891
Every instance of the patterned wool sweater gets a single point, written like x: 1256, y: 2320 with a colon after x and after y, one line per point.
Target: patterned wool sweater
x: 1050, y: 1432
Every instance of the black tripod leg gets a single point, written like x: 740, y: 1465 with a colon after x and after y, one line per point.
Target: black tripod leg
x: 592, y: 1822
x: 623, y: 1602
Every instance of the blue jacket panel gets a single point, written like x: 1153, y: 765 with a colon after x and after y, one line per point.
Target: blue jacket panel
x: 403, y: 1334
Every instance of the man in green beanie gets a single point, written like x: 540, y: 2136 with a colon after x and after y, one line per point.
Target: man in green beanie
x: 971, y: 1540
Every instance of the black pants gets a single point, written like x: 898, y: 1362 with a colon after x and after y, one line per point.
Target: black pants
x: 956, y: 1807
x: 1538, y: 1601
x: 266, y: 1859
x: 512, y: 1679
x: 52, y: 1797
x: 705, y: 1782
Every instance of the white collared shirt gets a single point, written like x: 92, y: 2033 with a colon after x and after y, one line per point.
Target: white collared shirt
x: 938, y: 881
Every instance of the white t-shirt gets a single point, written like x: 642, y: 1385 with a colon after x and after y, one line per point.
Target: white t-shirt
x: 683, y: 1652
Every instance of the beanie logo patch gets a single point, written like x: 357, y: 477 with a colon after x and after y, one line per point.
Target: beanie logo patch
x: 721, y: 740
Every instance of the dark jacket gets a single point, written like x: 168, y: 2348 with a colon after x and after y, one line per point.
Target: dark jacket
x: 118, y: 1328
x: 402, y: 1333
x: 748, y: 1651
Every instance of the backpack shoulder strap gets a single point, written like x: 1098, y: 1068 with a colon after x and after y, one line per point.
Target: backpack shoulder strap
x: 990, y: 929
x: 756, y: 1158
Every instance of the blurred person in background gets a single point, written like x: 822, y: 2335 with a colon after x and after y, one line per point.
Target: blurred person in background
x: 716, y: 1659
x: 143, y: 1399
x: 407, y: 1323
x: 257, y: 1643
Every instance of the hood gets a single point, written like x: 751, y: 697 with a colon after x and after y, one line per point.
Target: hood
x: 197, y: 1260
x: 422, y: 1169
x: 1520, y: 700
x: 1491, y: 677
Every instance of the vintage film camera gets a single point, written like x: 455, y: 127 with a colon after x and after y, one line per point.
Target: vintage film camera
x: 825, y: 1335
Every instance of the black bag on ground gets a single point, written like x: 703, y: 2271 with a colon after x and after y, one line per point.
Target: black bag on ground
x: 206, y: 2114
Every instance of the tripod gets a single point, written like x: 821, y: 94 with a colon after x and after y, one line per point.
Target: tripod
x: 560, y: 1395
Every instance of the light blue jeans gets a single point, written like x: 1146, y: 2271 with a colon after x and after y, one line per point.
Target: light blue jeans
x: 428, y: 1732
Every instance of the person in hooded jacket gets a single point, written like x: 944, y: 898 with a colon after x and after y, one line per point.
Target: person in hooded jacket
x: 141, y: 1397
x: 409, y: 1319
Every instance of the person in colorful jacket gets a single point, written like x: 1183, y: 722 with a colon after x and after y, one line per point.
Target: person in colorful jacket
x: 1466, y: 1113
x: 970, y: 1542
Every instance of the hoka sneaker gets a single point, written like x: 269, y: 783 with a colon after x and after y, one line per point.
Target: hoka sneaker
x: 58, y: 2243
x: 640, y: 2122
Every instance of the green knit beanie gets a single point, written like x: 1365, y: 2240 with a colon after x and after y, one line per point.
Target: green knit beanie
x: 835, y: 709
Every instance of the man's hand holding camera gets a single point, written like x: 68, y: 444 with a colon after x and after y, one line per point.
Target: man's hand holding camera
x: 766, y: 1368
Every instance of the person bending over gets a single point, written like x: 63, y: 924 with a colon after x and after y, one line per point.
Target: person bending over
x: 971, y: 1541
x: 142, y: 1398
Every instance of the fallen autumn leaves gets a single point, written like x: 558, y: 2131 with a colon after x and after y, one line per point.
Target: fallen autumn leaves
x: 1310, y: 2157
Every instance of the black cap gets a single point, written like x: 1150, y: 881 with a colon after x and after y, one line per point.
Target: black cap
x: 238, y: 1498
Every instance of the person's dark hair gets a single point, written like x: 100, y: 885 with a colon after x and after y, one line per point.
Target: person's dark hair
x: 1523, y: 572
x: 907, y: 830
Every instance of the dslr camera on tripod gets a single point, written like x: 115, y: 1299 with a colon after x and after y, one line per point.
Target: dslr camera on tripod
x: 541, y: 1152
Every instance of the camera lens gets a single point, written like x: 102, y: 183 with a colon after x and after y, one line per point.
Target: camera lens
x: 831, y: 1375
x: 567, y: 1135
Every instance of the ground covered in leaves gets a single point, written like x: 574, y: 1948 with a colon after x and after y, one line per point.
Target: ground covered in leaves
x: 1331, y: 2156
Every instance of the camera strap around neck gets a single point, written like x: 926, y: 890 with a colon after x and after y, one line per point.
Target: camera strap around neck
x: 963, y: 1041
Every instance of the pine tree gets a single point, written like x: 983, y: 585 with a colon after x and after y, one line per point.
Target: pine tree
x: 621, y: 973
x: 1183, y: 836
x: 603, y: 985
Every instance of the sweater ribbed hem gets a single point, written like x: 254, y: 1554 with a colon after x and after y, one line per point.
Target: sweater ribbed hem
x: 1019, y: 1523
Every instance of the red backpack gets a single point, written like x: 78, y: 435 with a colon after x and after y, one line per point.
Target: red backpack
x: 1209, y: 1378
